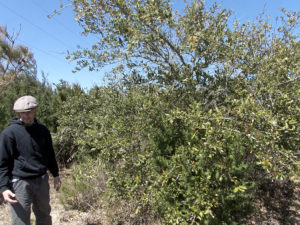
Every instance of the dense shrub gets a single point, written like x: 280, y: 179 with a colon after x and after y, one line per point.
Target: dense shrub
x: 197, y: 143
x: 86, y: 186
x: 188, y: 164
x: 30, y: 85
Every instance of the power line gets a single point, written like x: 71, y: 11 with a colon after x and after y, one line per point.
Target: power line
x: 48, y: 13
x: 41, y: 50
x: 38, y: 27
x: 60, y: 23
x: 54, y: 55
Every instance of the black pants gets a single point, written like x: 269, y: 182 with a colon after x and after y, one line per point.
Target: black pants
x: 31, y: 192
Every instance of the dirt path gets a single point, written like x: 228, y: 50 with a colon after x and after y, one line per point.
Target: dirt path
x: 59, y: 215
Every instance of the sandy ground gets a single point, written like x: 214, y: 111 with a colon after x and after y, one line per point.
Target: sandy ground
x: 59, y: 215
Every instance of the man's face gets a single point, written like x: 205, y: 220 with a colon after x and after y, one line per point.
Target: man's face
x: 28, y: 117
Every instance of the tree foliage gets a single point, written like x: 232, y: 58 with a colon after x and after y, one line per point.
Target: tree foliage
x: 15, y: 59
x: 149, y: 37
x: 18, y: 77
x: 30, y: 85
x: 205, y: 112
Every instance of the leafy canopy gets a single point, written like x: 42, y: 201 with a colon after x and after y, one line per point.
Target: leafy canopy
x: 204, y: 113
x: 148, y: 36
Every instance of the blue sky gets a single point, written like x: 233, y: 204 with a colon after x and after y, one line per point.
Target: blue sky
x: 49, y: 39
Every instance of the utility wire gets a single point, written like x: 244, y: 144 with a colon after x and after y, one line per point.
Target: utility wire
x: 60, y: 23
x: 48, y: 13
x: 38, y: 27
x: 41, y: 50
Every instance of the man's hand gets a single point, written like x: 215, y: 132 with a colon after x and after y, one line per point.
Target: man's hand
x: 9, y: 197
x: 57, y: 183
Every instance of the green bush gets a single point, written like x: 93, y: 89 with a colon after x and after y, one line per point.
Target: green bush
x: 85, y: 187
x: 190, y: 165
x: 30, y: 85
x: 195, y: 141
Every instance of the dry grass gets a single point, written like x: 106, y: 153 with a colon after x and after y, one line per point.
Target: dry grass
x: 60, y: 216
x: 279, y: 208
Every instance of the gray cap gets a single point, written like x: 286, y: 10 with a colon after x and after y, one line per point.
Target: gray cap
x: 25, y: 104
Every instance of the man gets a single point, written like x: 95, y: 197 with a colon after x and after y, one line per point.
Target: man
x: 26, y: 153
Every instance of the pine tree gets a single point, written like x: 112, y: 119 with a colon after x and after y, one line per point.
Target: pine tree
x: 14, y: 59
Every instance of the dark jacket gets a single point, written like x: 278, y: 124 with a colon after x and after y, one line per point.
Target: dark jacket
x: 25, y: 152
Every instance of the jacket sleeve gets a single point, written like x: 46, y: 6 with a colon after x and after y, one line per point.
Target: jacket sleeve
x: 6, y: 161
x: 52, y: 166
